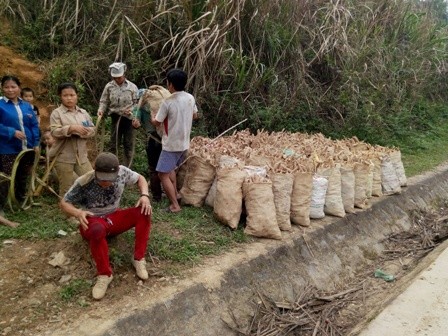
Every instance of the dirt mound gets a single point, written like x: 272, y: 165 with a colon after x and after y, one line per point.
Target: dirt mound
x: 30, y: 75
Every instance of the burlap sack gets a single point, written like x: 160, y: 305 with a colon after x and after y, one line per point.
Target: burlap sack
x: 361, y: 171
x: 395, y: 157
x: 181, y: 172
x: 376, y: 185
x: 229, y: 196
x: 301, y: 198
x: 261, y: 218
x: 369, y: 185
x: 224, y: 161
x: 210, y: 199
x: 348, y: 189
x: 282, y: 189
x: 197, y: 182
x: 389, y: 178
x: 154, y: 96
x: 333, y: 199
x: 320, y: 186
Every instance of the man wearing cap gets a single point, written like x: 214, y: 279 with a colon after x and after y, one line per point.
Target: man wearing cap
x: 97, y: 194
x: 117, y: 100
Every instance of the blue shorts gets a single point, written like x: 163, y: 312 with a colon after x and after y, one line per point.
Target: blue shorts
x: 169, y: 161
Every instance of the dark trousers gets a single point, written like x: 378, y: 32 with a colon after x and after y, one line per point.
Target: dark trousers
x: 122, y: 133
x: 23, y: 171
x: 153, y: 150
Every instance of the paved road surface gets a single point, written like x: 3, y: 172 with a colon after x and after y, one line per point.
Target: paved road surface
x: 422, y: 309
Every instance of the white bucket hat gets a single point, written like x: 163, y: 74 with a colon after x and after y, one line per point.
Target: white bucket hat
x: 117, y: 69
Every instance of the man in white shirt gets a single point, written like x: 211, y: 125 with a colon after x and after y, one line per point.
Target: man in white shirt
x: 176, y: 114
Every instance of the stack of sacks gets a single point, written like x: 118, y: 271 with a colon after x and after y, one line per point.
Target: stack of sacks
x: 297, y: 177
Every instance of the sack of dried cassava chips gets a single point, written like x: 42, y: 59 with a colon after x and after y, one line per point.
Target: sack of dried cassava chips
x: 228, y: 202
x: 261, y: 218
x: 282, y: 189
x: 301, y: 198
x: 197, y: 181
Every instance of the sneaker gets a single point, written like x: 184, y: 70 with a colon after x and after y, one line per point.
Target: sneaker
x: 140, y: 268
x: 100, y: 288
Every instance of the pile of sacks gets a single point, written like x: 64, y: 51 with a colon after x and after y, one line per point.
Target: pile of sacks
x: 282, y: 178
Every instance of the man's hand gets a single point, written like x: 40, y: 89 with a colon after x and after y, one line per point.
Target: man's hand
x: 155, y: 122
x: 145, y: 204
x: 136, y: 123
x: 82, y: 217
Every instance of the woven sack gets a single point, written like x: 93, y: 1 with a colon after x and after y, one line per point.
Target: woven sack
x: 376, y: 185
x: 320, y: 186
x: 154, y: 96
x: 197, y: 182
x: 301, y: 198
x: 333, y: 199
x: 224, y: 161
x: 210, y: 199
x: 389, y: 178
x: 348, y: 189
x: 361, y: 171
x: 395, y: 157
x: 228, y: 202
x: 369, y: 185
x: 181, y: 172
x: 261, y: 218
x: 282, y: 189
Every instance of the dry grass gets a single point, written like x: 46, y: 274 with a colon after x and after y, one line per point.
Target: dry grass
x: 331, y: 57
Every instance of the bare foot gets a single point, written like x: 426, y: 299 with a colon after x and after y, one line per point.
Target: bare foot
x: 172, y: 209
x: 7, y: 222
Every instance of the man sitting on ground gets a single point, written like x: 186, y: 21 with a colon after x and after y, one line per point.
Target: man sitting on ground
x: 98, y: 193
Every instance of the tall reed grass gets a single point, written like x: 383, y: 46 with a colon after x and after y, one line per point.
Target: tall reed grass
x: 343, y: 67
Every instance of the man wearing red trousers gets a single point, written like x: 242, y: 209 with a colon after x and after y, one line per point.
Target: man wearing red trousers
x: 98, y: 195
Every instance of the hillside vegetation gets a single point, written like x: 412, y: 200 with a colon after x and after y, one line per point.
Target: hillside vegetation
x: 374, y: 69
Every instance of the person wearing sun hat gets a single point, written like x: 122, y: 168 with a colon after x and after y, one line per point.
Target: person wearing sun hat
x: 94, y: 200
x: 117, y: 101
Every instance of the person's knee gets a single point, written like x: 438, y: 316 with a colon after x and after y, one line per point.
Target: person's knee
x: 96, y: 231
x: 137, y: 213
x: 164, y: 175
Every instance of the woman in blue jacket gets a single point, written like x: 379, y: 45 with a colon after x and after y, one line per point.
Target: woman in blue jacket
x: 19, y: 130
